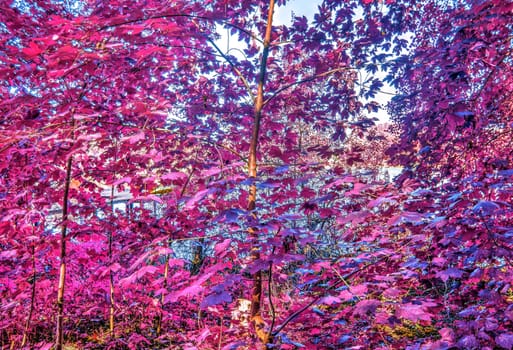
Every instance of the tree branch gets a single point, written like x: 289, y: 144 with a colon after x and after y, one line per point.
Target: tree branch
x: 314, y: 300
x: 305, y: 80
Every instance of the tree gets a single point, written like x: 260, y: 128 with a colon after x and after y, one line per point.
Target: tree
x: 455, y: 113
x: 104, y: 99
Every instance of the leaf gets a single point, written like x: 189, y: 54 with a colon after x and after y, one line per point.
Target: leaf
x: 222, y: 248
x: 149, y: 50
x: 148, y: 269
x: 485, y: 207
x: 32, y: 50
x: 449, y: 273
x: 414, y: 312
x: 66, y: 52
x: 202, y: 336
x: 114, y: 268
x: 135, y: 138
x: 191, y: 203
x: 406, y: 217
x: 358, y: 188
x: 330, y: 300
x: 257, y: 265
x: 193, y: 289
x: 211, y: 172
x: 468, y: 342
x: 8, y: 254
x: 365, y: 307
x: 216, y: 298
x: 44, y: 346
x: 126, y: 179
x: 354, y: 218
x: 230, y: 216
x: 359, y: 290
x: 286, y: 340
x: 505, y: 340
x: 234, y: 345
x: 147, y: 198
x: 174, y: 176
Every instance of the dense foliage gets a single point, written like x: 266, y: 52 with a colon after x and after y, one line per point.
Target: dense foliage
x: 161, y: 190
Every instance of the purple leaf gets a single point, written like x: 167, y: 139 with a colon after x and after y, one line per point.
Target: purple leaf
x: 449, y: 273
x: 468, y: 342
x: 485, y: 207
x: 505, y: 340
x: 216, y: 299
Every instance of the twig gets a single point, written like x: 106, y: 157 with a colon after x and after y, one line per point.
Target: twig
x: 234, y: 67
x: 305, y: 80
x: 171, y: 15
x: 269, y: 285
x: 313, y: 301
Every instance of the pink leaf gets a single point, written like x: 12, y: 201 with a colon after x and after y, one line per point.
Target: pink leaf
x: 359, y: 290
x: 407, y: 216
x: 414, y: 312
x: 149, y: 269
x: 211, y: 172
x: 191, y: 203
x: 354, y: 218
x: 330, y: 300
x: 148, y: 198
x: 135, y: 137
x: 192, y: 290
x: 222, y: 248
x: 32, y: 50
x: 174, y: 176
x: 114, y: 268
x: 357, y: 188
x: 365, y: 307
x: 202, y: 336
x: 126, y: 179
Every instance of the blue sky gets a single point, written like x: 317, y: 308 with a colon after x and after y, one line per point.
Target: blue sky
x: 306, y: 8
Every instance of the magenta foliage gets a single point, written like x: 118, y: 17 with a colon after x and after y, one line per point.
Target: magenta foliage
x: 156, y: 114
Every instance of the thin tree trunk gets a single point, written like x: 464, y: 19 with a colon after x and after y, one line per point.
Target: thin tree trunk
x: 32, y: 298
x: 168, y: 256
x: 111, y: 274
x: 256, y: 292
x: 62, y: 274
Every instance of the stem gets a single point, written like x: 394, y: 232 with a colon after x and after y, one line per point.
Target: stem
x: 271, y: 305
x: 256, y: 292
x: 111, y: 274
x: 319, y: 297
x: 234, y: 67
x: 62, y: 271
x: 32, y: 298
x: 305, y: 80
x: 168, y: 256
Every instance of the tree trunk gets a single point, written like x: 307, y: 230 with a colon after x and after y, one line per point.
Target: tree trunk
x: 32, y: 298
x: 256, y: 292
x: 111, y: 274
x: 62, y: 271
